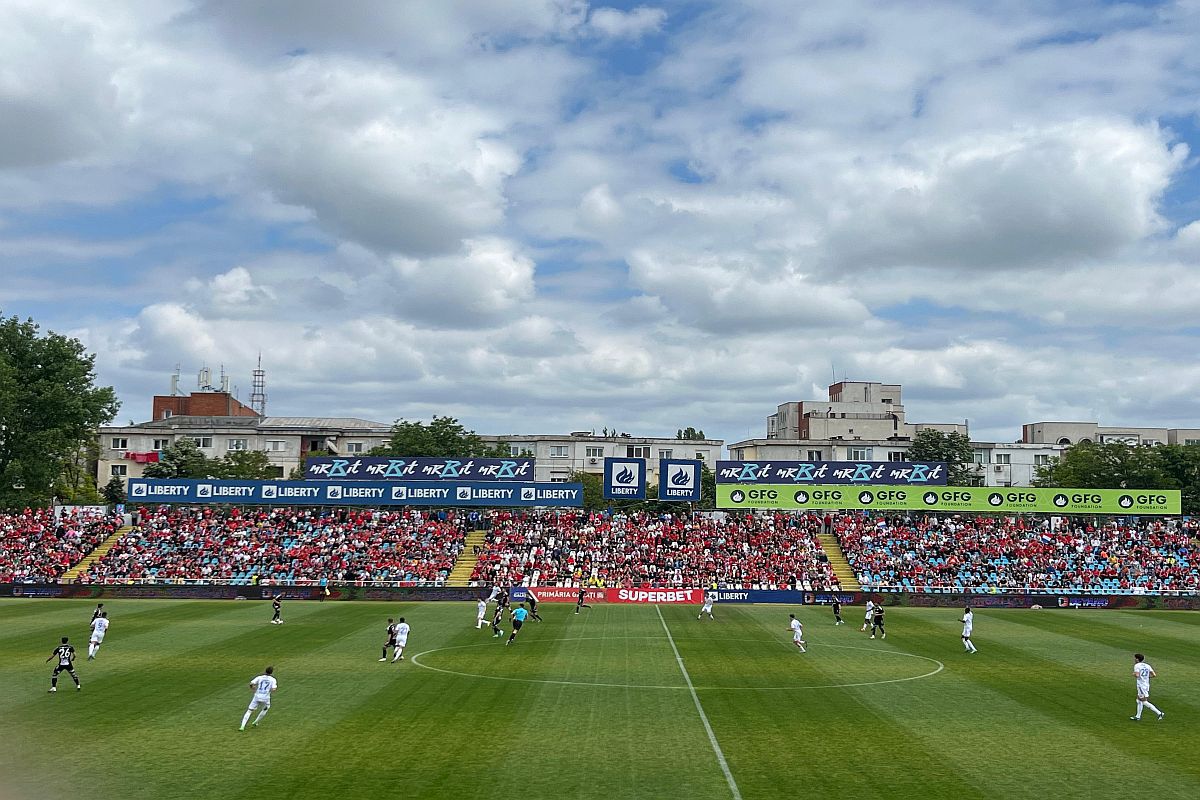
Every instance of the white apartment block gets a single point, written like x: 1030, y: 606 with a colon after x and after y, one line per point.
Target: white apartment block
x: 558, y: 456
x: 1005, y: 464
x: 125, y: 451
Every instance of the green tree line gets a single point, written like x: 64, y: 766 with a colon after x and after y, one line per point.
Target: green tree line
x: 1120, y: 466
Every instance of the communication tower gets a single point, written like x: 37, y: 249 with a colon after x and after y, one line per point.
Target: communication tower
x: 258, y: 393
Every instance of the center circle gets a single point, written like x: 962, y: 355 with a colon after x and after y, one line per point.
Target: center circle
x: 466, y: 671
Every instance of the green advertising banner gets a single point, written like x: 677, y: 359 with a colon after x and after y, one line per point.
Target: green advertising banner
x: 1154, y: 502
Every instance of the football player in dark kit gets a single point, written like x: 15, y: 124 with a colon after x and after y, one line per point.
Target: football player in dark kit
x: 837, y: 612
x: 579, y: 603
x: 99, y: 610
x: 877, y: 622
x: 390, y: 641
x: 65, y: 654
x: 497, y: 618
x: 277, y: 607
x: 532, y: 600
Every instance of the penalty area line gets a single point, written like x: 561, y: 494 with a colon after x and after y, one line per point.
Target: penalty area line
x: 712, y: 737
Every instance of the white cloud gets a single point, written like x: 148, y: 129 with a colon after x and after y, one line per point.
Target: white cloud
x: 505, y: 209
x: 53, y: 108
x: 1031, y: 197
x: 233, y: 293
x: 380, y: 161
x: 488, y: 281
x: 634, y: 24
x: 739, y: 295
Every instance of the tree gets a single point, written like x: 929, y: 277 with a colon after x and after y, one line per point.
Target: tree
x: 49, y: 408
x: 954, y: 448
x: 689, y: 434
x: 708, y: 487
x: 1106, y: 466
x: 77, y: 484
x: 593, y: 489
x: 1181, y: 463
x: 249, y: 465
x: 443, y: 437
x: 114, y: 492
x: 183, y: 459
x: 1120, y: 466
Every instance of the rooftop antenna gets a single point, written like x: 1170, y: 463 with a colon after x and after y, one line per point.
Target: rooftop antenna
x: 258, y: 392
x: 224, y: 380
x: 175, y: 382
x: 204, y: 380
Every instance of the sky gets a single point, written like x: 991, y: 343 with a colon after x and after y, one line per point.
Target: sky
x: 543, y: 216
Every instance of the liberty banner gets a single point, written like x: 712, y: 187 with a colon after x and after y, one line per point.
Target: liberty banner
x: 951, y: 498
x: 679, y: 480
x: 873, y: 473
x: 355, y: 493
x: 624, y: 479
x: 375, y: 468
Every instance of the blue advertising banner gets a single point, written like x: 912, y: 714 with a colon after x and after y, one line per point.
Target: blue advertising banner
x: 376, y: 468
x: 355, y: 493
x: 624, y: 479
x: 762, y: 596
x: 679, y: 480
x: 827, y: 473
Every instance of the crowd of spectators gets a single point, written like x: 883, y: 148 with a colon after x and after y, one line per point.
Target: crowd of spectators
x: 763, y: 551
x: 404, y: 546
x: 38, y: 547
x: 997, y: 554
x: 578, y: 548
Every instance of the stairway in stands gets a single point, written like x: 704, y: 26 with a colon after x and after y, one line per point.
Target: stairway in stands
x: 91, y: 558
x: 465, y: 565
x: 837, y: 560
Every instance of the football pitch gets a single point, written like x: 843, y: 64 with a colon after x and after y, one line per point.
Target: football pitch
x: 619, y: 701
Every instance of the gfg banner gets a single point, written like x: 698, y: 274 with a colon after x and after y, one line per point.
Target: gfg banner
x: 875, y: 473
x: 951, y: 498
x: 624, y: 479
x: 373, y: 468
x: 355, y: 493
x: 679, y: 480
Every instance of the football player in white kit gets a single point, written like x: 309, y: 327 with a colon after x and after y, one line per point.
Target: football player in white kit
x: 1142, y: 673
x: 797, y: 633
x: 867, y: 618
x: 968, y: 622
x: 709, y: 599
x: 480, y: 613
x: 264, y: 685
x: 402, y: 629
x: 99, y: 627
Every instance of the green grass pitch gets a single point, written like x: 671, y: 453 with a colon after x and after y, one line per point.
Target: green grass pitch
x: 595, y: 705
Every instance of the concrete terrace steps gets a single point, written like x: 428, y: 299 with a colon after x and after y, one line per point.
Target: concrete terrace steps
x: 837, y: 560
x: 98, y: 553
x: 465, y: 565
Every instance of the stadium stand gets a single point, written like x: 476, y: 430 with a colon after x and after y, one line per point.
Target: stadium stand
x: 575, y: 548
x: 35, y: 547
x: 409, y: 547
x: 990, y: 554
x: 768, y: 551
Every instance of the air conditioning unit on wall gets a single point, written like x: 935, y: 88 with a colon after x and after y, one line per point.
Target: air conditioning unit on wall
x: 593, y: 460
x: 999, y: 468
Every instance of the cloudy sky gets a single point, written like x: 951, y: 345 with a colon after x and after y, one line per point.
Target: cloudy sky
x: 552, y: 215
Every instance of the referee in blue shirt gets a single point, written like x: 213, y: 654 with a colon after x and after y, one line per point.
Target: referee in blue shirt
x: 518, y: 617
